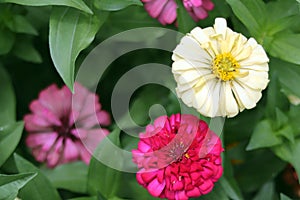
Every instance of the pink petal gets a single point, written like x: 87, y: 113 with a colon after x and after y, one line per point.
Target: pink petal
x: 84, y: 153
x: 94, y: 137
x: 70, y: 151
x: 90, y: 106
x: 37, y: 108
x: 48, y: 98
x: 38, y: 139
x: 79, y: 133
x: 103, y: 118
x: 208, y: 5
x: 155, y: 188
x: 155, y: 7
x: 200, y: 12
x: 196, y: 3
x: 168, y: 15
x: 39, y: 155
x: 79, y: 96
x: 66, y: 96
x: 37, y: 120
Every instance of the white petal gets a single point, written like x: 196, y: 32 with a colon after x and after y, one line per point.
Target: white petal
x: 189, y: 76
x: 187, y: 97
x: 258, y: 56
x: 207, y: 108
x: 255, y: 79
x: 200, y: 36
x: 220, y: 27
x: 247, y: 96
x: 181, y: 65
x: 201, y: 95
x: 231, y: 106
x: 259, y: 67
x: 190, y: 49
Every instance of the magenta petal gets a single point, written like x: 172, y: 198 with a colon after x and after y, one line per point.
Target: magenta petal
x: 180, y: 195
x: 143, y: 147
x: 148, y: 176
x: 195, y: 192
x: 206, y: 186
x: 155, y: 188
x: 160, y: 122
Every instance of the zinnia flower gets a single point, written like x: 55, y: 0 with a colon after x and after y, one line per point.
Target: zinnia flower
x: 53, y: 136
x: 219, y: 72
x: 165, y: 10
x: 178, y: 157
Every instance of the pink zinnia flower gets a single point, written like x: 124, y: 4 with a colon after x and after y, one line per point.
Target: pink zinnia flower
x: 64, y: 127
x: 178, y: 157
x: 165, y: 10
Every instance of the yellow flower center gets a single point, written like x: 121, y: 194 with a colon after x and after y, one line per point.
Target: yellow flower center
x: 225, y: 67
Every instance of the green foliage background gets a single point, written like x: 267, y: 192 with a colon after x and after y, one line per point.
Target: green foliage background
x: 35, y: 41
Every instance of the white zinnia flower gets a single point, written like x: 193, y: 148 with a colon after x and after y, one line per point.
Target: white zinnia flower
x: 219, y: 72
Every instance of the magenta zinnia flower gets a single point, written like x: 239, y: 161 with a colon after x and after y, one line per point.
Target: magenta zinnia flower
x: 165, y: 10
x: 178, y: 157
x: 64, y: 127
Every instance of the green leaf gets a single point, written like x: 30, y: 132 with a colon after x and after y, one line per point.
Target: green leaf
x: 7, y: 98
x: 251, y: 13
x: 26, y: 51
x: 285, y: 46
x: 11, y: 184
x: 290, y: 152
x: 251, y: 176
x: 228, y: 181
x: 71, y: 177
x: 185, y: 21
x: 278, y: 20
x: 286, y: 132
x: 9, y: 138
x: 115, y: 5
x: 79, y: 4
x: 102, y: 178
x: 275, y: 97
x: 40, y: 187
x: 229, y: 189
x: 19, y: 24
x: 281, y: 118
x: 7, y: 39
x: 288, y: 75
x: 284, y: 197
x: 85, y: 198
x: 267, y: 192
x: 71, y: 31
x: 263, y: 136
x: 218, y: 192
